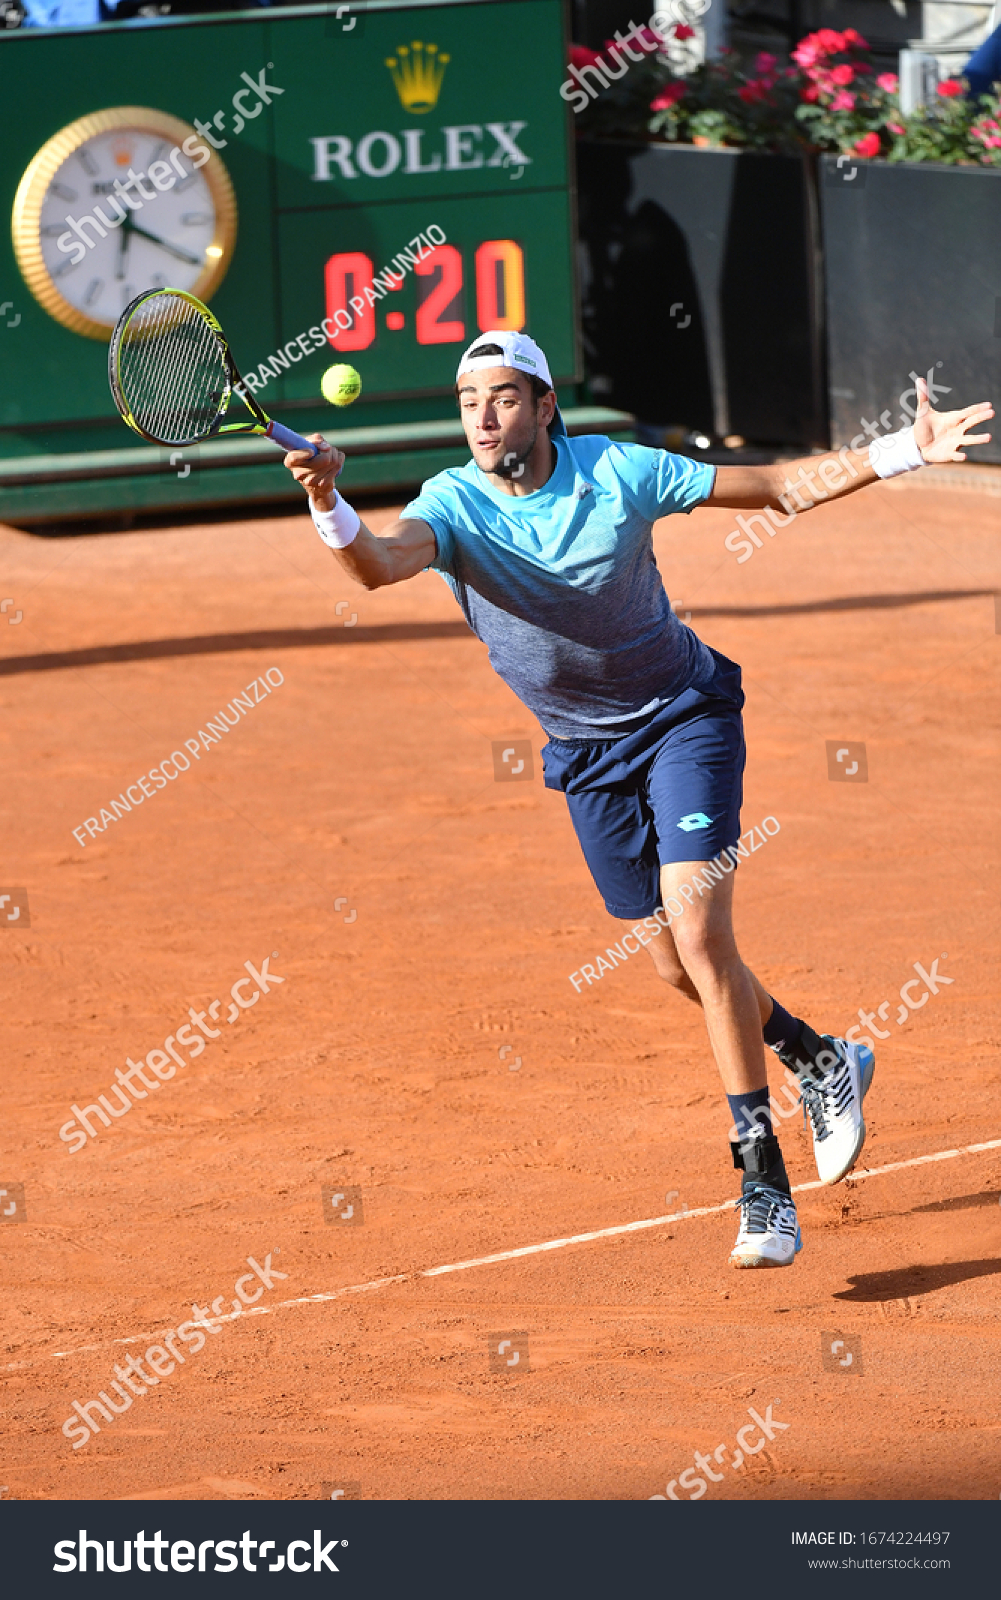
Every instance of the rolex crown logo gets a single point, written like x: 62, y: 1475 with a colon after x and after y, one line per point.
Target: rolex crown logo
x: 417, y: 73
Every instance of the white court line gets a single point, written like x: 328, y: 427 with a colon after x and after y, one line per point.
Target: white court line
x: 513, y: 1255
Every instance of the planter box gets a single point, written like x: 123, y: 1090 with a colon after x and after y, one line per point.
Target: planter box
x: 913, y: 267
x: 701, y: 294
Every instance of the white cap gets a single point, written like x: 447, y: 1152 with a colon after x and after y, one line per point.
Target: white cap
x: 517, y: 351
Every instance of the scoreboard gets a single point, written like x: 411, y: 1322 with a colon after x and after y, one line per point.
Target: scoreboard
x: 368, y: 183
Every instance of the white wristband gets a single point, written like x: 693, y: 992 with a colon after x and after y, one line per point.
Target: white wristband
x: 337, y: 528
x: 895, y: 453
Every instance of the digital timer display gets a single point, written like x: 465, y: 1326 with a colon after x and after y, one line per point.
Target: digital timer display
x: 440, y: 315
x: 506, y: 262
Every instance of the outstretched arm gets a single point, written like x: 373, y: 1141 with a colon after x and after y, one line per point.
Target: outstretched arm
x: 798, y: 485
x: 402, y: 550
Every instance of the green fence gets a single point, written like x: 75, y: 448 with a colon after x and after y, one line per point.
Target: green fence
x: 412, y: 158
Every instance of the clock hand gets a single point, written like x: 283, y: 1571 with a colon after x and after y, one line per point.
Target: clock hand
x: 182, y: 255
x: 123, y: 245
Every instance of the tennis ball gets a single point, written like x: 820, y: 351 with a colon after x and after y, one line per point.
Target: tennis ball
x: 340, y: 385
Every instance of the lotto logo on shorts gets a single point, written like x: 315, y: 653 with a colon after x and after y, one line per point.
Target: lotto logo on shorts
x: 694, y: 821
x: 343, y: 1206
x: 846, y: 762
x: 841, y: 1352
x: 508, y: 1352
x: 14, y: 911
x: 12, y: 1202
x: 513, y: 761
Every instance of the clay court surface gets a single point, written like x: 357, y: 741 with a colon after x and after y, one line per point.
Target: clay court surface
x: 426, y: 918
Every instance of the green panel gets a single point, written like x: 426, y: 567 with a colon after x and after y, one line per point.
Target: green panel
x: 51, y: 374
x: 50, y: 502
x: 47, y: 488
x: 505, y: 67
x: 395, y: 363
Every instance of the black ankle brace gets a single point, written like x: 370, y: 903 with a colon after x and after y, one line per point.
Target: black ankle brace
x: 810, y: 1058
x: 756, y: 1155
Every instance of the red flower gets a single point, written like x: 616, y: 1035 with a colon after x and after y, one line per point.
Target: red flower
x: 852, y: 38
x: 807, y: 51
x: 895, y: 127
x: 810, y: 95
x: 669, y: 95
x: 868, y: 145
x: 683, y: 31
x: 765, y: 63
x: 888, y: 82
x: 949, y: 87
x: 988, y: 132
x: 830, y: 41
x: 842, y: 76
x: 581, y: 56
x: 843, y: 101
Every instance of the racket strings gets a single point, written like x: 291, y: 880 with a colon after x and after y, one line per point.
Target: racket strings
x: 171, y: 370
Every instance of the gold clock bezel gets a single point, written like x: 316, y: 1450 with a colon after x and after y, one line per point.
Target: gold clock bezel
x: 34, y: 185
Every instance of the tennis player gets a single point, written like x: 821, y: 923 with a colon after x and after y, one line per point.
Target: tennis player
x: 546, y: 544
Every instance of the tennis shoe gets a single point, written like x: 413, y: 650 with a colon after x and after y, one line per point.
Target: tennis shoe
x: 833, y: 1104
x: 769, y: 1233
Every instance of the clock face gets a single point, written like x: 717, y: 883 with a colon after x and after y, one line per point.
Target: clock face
x: 93, y: 227
x: 162, y: 241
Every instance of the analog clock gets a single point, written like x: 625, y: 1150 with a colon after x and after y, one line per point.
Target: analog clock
x: 120, y: 201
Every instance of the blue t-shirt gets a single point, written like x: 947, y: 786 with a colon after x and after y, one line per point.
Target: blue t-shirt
x: 562, y: 586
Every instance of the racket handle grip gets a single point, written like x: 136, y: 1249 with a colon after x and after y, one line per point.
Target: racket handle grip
x: 288, y: 438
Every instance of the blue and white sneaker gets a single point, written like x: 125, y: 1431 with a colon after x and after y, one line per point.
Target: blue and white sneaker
x: 769, y: 1233
x: 834, y: 1106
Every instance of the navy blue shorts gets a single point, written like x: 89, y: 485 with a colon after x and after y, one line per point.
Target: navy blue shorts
x: 671, y: 791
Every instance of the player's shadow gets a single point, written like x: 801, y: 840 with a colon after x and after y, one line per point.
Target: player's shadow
x: 905, y: 1281
x: 208, y: 644
x: 849, y: 602
x: 960, y: 1202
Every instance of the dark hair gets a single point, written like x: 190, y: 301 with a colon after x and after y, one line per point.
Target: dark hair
x: 540, y: 388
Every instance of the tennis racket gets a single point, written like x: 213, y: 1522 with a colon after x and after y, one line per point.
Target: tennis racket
x: 172, y: 374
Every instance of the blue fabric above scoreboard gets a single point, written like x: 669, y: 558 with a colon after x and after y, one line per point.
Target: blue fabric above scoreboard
x: 430, y: 102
